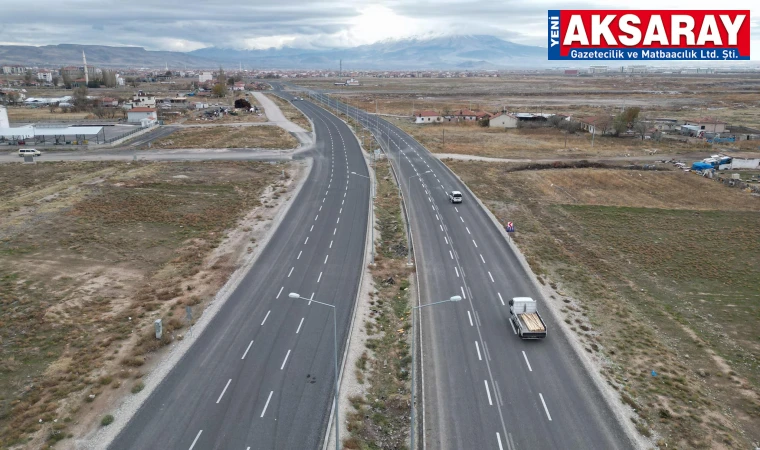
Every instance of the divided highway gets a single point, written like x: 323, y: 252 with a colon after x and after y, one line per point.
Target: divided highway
x: 261, y: 374
x: 484, y: 388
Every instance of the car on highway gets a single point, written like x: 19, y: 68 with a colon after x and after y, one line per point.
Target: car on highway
x: 455, y: 197
x: 29, y: 151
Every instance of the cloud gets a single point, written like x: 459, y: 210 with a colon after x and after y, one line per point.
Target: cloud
x: 184, y: 25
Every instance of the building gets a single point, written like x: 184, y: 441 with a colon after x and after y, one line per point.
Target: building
x: 205, y: 76
x: 45, y: 75
x: 427, y: 117
x: 141, y: 114
x: 107, y: 102
x: 238, y: 86
x: 503, y: 120
x: 141, y: 100
x: 708, y: 124
x: 598, y: 69
x: 597, y: 124
x: 572, y: 72
x: 665, y: 125
x: 463, y: 115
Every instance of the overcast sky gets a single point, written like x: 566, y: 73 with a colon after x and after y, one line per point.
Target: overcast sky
x: 184, y: 25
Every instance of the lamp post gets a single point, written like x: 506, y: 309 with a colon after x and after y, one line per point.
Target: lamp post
x: 372, y: 212
x: 335, y: 358
x: 455, y: 298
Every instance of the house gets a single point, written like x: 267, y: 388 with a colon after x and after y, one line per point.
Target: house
x: 743, y: 133
x: 463, y: 115
x: 140, y: 113
x: 427, y: 117
x: 107, y: 102
x: 238, y: 86
x: 141, y: 100
x: 503, y: 120
x: 205, y: 76
x: 709, y: 124
x: 45, y: 75
x: 596, y: 124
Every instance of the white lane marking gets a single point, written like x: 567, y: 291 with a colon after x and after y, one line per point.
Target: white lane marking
x: 299, y: 325
x: 316, y: 217
x: 285, y: 360
x: 327, y: 192
x: 545, y: 408
x: 331, y: 242
x: 341, y: 211
x: 320, y: 277
x: 451, y: 254
x: 511, y: 440
x: 265, y: 317
x: 320, y: 207
x: 457, y: 271
x: 481, y: 258
x: 312, y: 228
x: 488, y: 391
x: 326, y: 256
x: 278, y: 294
x: 307, y: 240
x: 446, y: 239
x: 502, y: 300
x: 335, y: 231
x: 196, y: 439
x: 263, y: 411
x: 513, y: 326
x: 491, y: 276
x: 224, y: 390
x: 463, y: 296
x: 457, y: 209
x: 311, y: 298
x: 498, y: 438
x: 323, y: 200
x: 299, y: 255
x: 470, y: 317
x: 485, y: 344
x: 342, y: 202
x: 476, y: 244
x: 344, y: 195
x: 440, y: 226
x: 526, y: 361
x: 338, y: 220
x: 246, y: 349
x: 468, y: 230
x: 436, y: 217
x: 477, y: 347
x: 460, y: 218
x: 291, y: 271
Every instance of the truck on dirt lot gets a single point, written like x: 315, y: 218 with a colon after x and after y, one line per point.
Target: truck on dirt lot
x: 526, y: 322
x: 455, y: 197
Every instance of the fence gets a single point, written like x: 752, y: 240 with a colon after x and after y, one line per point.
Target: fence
x: 128, y: 133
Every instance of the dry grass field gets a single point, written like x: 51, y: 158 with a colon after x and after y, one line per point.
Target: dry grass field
x: 21, y: 114
x: 91, y: 254
x: 291, y: 112
x: 265, y: 136
x: 655, y: 271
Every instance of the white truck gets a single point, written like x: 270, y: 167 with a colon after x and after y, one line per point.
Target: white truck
x: 526, y: 322
x: 455, y: 197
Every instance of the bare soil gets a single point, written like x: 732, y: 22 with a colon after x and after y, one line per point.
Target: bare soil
x: 264, y: 136
x: 291, y: 112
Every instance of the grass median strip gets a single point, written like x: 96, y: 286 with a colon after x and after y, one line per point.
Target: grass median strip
x: 380, y: 419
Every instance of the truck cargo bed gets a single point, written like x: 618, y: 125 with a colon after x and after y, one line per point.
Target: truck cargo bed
x: 532, y: 322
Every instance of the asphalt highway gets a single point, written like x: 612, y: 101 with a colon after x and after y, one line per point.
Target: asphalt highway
x: 261, y: 374
x: 484, y: 388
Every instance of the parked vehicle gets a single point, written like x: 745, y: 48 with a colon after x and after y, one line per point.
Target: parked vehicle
x: 29, y: 151
x: 455, y: 197
x: 526, y: 321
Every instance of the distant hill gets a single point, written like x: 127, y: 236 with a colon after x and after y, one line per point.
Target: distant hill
x: 449, y: 52
x: 97, y: 55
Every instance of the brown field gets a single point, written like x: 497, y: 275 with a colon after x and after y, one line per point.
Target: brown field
x: 92, y: 254
x: 264, y: 136
x: 22, y: 114
x: 653, y: 271
x: 291, y: 112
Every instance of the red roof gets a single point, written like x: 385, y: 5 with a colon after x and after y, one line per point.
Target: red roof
x: 427, y: 113
x: 142, y: 109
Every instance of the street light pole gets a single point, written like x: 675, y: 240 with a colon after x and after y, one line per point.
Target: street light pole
x: 455, y: 298
x: 335, y: 359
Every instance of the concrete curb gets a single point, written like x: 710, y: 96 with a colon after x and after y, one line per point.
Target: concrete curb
x: 591, y: 369
x: 130, y: 405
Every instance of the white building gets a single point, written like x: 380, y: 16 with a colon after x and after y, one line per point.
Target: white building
x: 205, y: 76
x: 503, y: 120
x: 139, y: 114
x: 119, y: 80
x: 427, y: 117
x: 45, y: 75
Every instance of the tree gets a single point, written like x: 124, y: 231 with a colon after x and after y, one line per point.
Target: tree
x: 28, y: 78
x: 220, y: 76
x: 66, y: 79
x: 555, y: 121
x: 219, y: 90
x: 243, y: 104
x: 56, y: 80
x: 640, y: 127
x: 168, y: 73
x: 625, y: 120
x: 230, y: 81
x: 131, y: 81
x: 12, y: 97
x: 80, y: 100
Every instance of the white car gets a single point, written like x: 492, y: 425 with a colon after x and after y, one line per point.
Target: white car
x: 29, y: 151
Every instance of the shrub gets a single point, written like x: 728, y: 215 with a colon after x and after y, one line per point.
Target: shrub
x: 107, y: 420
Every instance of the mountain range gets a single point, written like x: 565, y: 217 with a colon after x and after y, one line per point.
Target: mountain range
x: 448, y: 52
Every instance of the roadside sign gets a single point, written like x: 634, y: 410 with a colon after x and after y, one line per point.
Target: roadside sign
x: 510, y: 227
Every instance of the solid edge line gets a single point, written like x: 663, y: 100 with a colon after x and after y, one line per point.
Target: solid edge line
x: 325, y: 437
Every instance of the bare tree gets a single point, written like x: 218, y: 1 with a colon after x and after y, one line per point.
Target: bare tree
x: 80, y: 99
x: 640, y: 127
x: 56, y: 80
